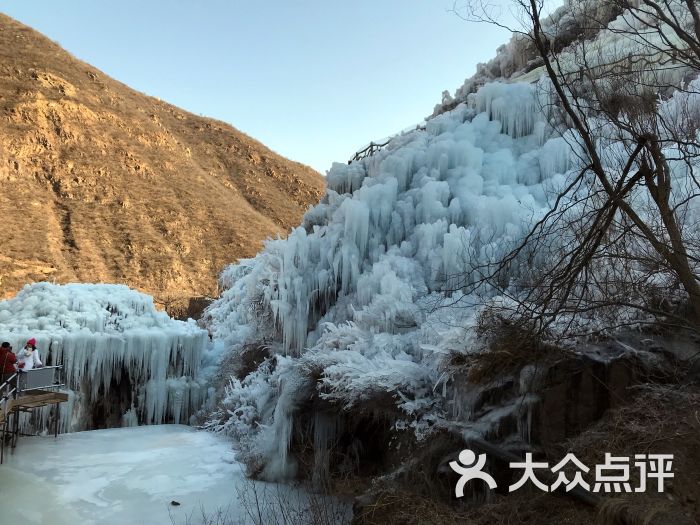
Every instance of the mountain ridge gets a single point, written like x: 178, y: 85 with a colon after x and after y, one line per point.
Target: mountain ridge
x: 103, y: 183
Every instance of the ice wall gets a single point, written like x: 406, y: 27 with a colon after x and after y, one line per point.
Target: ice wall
x: 347, y: 298
x: 353, y: 308
x: 105, y: 336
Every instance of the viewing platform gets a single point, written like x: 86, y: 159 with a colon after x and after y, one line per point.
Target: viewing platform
x: 23, y: 392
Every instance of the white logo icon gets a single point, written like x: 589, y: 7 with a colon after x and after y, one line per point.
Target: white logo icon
x: 611, y: 476
x: 469, y: 468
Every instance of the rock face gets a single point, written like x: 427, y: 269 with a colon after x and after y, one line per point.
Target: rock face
x: 101, y: 183
x: 539, y: 408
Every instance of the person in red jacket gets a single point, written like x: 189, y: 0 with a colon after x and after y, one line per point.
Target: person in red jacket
x: 8, y: 360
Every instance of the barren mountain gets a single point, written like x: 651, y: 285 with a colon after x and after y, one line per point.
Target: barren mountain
x: 99, y: 182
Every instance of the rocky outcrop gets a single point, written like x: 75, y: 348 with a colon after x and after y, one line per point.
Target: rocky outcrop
x: 541, y: 408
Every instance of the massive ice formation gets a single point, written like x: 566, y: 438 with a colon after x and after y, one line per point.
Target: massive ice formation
x: 347, y: 298
x: 123, y: 361
x: 349, y: 309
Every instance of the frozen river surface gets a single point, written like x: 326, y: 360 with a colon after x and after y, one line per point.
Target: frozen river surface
x: 121, y: 476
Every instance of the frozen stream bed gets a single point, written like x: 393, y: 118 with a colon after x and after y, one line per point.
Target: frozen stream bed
x: 124, y: 475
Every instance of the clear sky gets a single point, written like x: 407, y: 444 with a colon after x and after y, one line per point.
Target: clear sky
x: 314, y: 80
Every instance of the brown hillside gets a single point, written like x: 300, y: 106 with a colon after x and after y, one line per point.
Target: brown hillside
x: 100, y: 183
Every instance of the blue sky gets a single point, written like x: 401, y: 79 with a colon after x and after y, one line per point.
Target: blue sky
x: 312, y: 79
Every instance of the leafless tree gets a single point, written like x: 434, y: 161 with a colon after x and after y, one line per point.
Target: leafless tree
x: 627, y: 216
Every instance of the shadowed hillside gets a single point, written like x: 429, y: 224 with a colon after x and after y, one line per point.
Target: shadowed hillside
x: 99, y: 182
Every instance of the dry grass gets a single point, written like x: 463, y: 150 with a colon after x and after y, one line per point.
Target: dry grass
x: 102, y: 183
x: 510, y: 345
x: 660, y: 419
x: 392, y: 507
x: 273, y: 504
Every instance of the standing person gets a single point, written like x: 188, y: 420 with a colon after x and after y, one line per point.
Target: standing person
x: 8, y: 366
x: 29, y: 358
x: 8, y: 361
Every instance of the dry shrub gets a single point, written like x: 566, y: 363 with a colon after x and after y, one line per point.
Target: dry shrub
x: 663, y: 419
x: 273, y: 504
x: 619, y: 511
x: 509, y: 343
x: 394, y: 507
x: 277, y: 505
x: 249, y: 359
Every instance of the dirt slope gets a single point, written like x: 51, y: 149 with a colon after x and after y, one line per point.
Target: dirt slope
x: 99, y: 182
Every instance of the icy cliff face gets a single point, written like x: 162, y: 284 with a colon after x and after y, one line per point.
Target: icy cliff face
x: 115, y: 348
x: 352, y: 309
x: 609, y: 33
x: 346, y: 302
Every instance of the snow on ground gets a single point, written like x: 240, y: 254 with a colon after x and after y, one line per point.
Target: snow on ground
x: 120, y: 476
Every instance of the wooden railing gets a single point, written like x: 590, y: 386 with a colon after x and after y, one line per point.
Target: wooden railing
x: 374, y: 147
x: 368, y: 151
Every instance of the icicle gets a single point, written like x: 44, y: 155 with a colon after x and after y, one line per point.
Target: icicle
x: 524, y: 421
x: 98, y: 333
x: 555, y: 157
x: 282, y: 467
x: 130, y: 418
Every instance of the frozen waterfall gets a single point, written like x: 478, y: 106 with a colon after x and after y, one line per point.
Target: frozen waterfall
x: 124, y: 362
